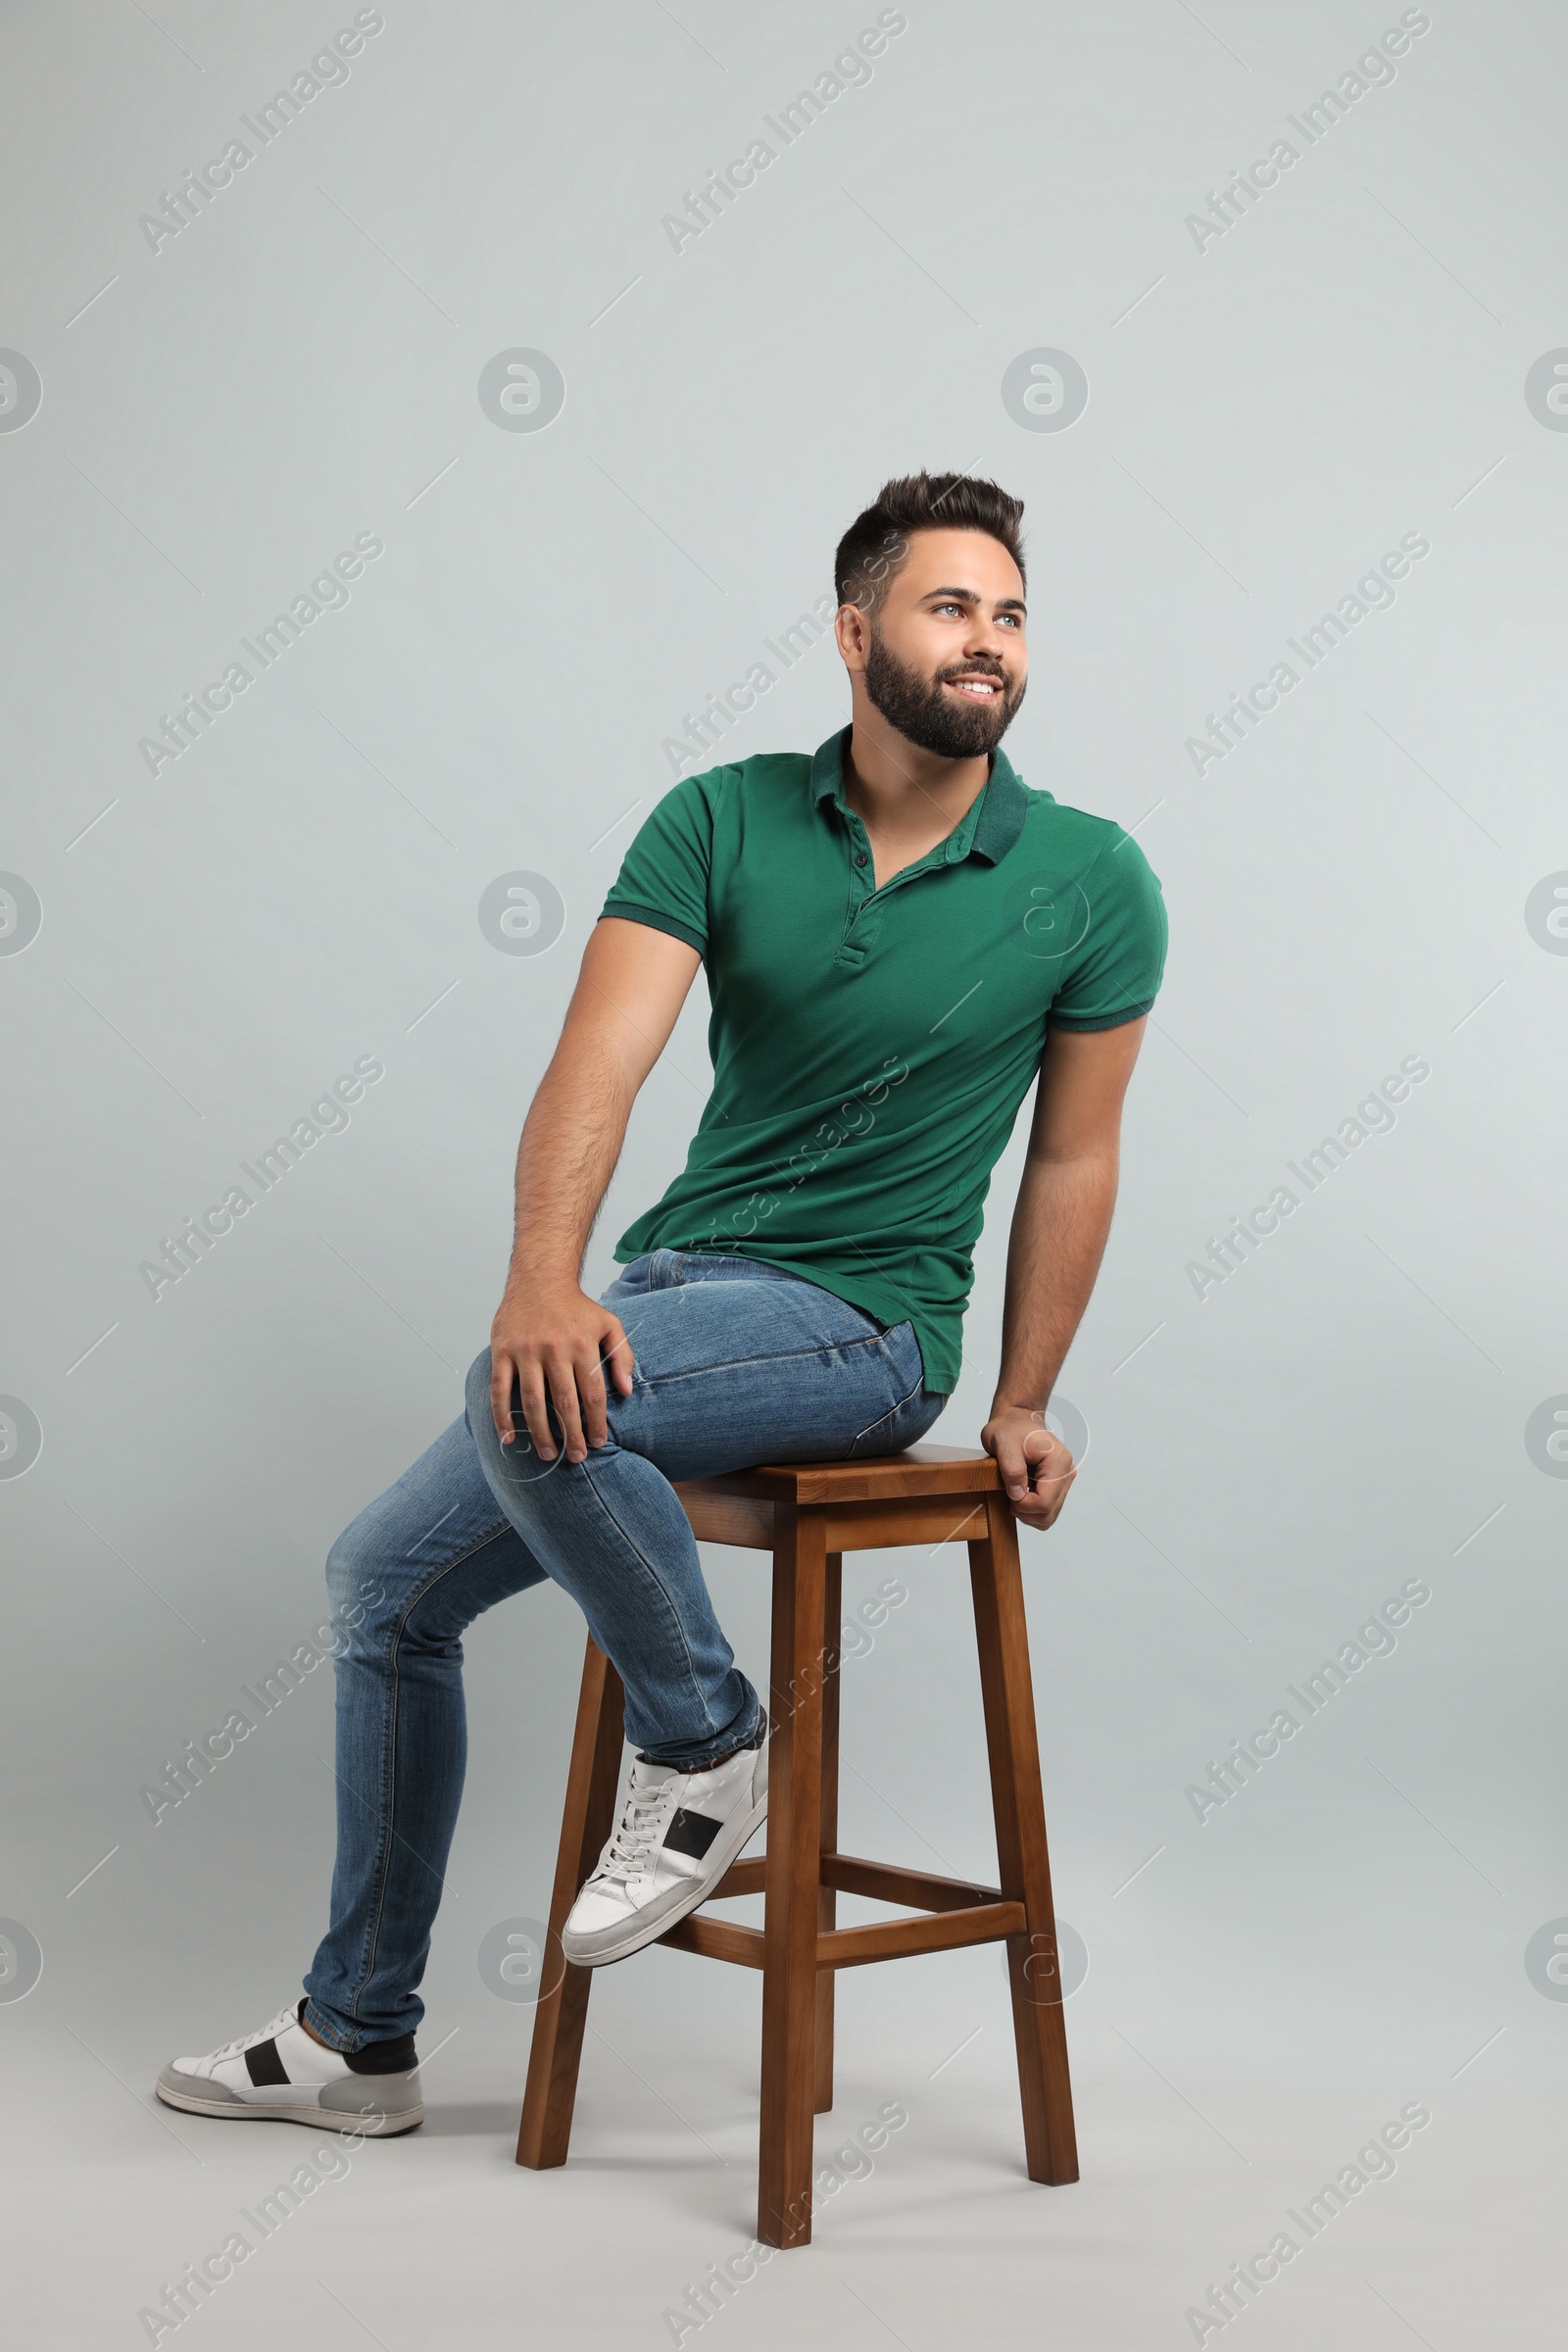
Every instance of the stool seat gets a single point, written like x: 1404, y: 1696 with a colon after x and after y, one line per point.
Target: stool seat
x: 808, y: 1515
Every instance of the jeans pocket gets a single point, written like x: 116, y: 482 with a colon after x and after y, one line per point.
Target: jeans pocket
x: 913, y: 1409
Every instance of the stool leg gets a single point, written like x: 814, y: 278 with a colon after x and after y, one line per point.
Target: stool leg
x: 826, y: 1898
x: 561, y: 2014
x: 794, y: 1829
x: 1001, y: 1632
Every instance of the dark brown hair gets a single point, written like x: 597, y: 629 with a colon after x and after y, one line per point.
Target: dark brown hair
x: 876, y: 543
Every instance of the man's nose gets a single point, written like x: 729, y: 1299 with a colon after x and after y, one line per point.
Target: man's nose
x: 988, y: 639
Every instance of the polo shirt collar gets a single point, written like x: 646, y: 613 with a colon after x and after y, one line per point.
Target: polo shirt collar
x: 999, y: 811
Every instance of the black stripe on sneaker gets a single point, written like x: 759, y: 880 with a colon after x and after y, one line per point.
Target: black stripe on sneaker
x: 264, y: 2065
x: 690, y: 1834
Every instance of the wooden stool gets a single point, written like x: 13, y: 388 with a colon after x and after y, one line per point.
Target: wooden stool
x: 809, y: 1515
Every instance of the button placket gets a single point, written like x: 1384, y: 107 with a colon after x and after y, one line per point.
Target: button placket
x: 851, y: 951
x: 858, y: 941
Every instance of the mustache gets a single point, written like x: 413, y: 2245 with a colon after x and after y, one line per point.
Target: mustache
x: 972, y: 670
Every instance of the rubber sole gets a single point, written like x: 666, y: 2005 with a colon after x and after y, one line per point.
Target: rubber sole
x: 639, y: 1936
x: 372, y: 2126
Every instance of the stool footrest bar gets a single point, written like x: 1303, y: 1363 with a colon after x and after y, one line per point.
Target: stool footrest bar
x: 742, y: 1877
x: 716, y: 1940
x: 889, y: 1882
x: 882, y: 1882
x: 925, y: 1931
x: 853, y: 1948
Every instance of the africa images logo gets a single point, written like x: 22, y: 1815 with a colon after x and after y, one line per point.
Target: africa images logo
x: 521, y: 390
x: 21, y: 391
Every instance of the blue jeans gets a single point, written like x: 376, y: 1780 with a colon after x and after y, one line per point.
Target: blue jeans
x: 734, y: 1363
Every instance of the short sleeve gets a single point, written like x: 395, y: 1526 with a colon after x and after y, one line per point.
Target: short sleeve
x: 1116, y: 972
x: 665, y: 874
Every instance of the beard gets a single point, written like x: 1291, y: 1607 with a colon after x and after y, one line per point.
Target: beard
x: 935, y: 721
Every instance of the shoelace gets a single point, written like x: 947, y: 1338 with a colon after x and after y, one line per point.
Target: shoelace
x: 636, y: 1832
x: 233, y: 2049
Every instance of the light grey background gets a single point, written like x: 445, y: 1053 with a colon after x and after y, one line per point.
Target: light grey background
x: 1266, y: 416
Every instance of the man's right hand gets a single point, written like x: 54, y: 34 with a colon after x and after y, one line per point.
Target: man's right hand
x: 551, y: 1348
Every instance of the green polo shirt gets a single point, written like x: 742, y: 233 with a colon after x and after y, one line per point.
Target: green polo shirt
x: 871, y: 1048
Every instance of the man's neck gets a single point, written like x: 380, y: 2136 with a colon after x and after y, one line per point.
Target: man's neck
x: 898, y: 789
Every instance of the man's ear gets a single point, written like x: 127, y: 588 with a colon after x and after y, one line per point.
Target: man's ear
x: 852, y: 626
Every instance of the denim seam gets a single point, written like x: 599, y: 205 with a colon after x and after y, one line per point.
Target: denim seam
x: 775, y: 1355
x: 652, y: 1574
x: 389, y: 1830
x: 758, y: 1269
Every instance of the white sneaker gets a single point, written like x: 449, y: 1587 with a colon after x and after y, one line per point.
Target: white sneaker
x: 280, y: 2073
x: 677, y: 1835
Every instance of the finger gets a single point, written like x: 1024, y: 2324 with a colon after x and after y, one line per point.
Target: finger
x: 615, y: 1349
x: 591, y: 1392
x: 1013, y: 1463
x: 531, y: 1391
x: 563, y: 1380
x: 1050, y: 1464
x: 503, y: 1379
x: 1051, y: 1500
x: 1037, y: 1511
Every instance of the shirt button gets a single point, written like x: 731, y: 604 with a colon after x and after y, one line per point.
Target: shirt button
x: 860, y: 857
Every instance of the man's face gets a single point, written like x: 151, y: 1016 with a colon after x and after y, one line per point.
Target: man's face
x: 946, y: 658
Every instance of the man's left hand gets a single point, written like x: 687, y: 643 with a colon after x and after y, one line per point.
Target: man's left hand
x: 1036, y: 1467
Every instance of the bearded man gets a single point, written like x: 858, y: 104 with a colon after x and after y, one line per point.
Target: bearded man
x: 900, y: 937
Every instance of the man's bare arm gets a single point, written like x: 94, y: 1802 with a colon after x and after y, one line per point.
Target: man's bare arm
x: 1060, y: 1227
x: 550, y: 1339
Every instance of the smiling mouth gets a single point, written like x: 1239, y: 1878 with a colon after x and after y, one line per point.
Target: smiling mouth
x: 982, y: 688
